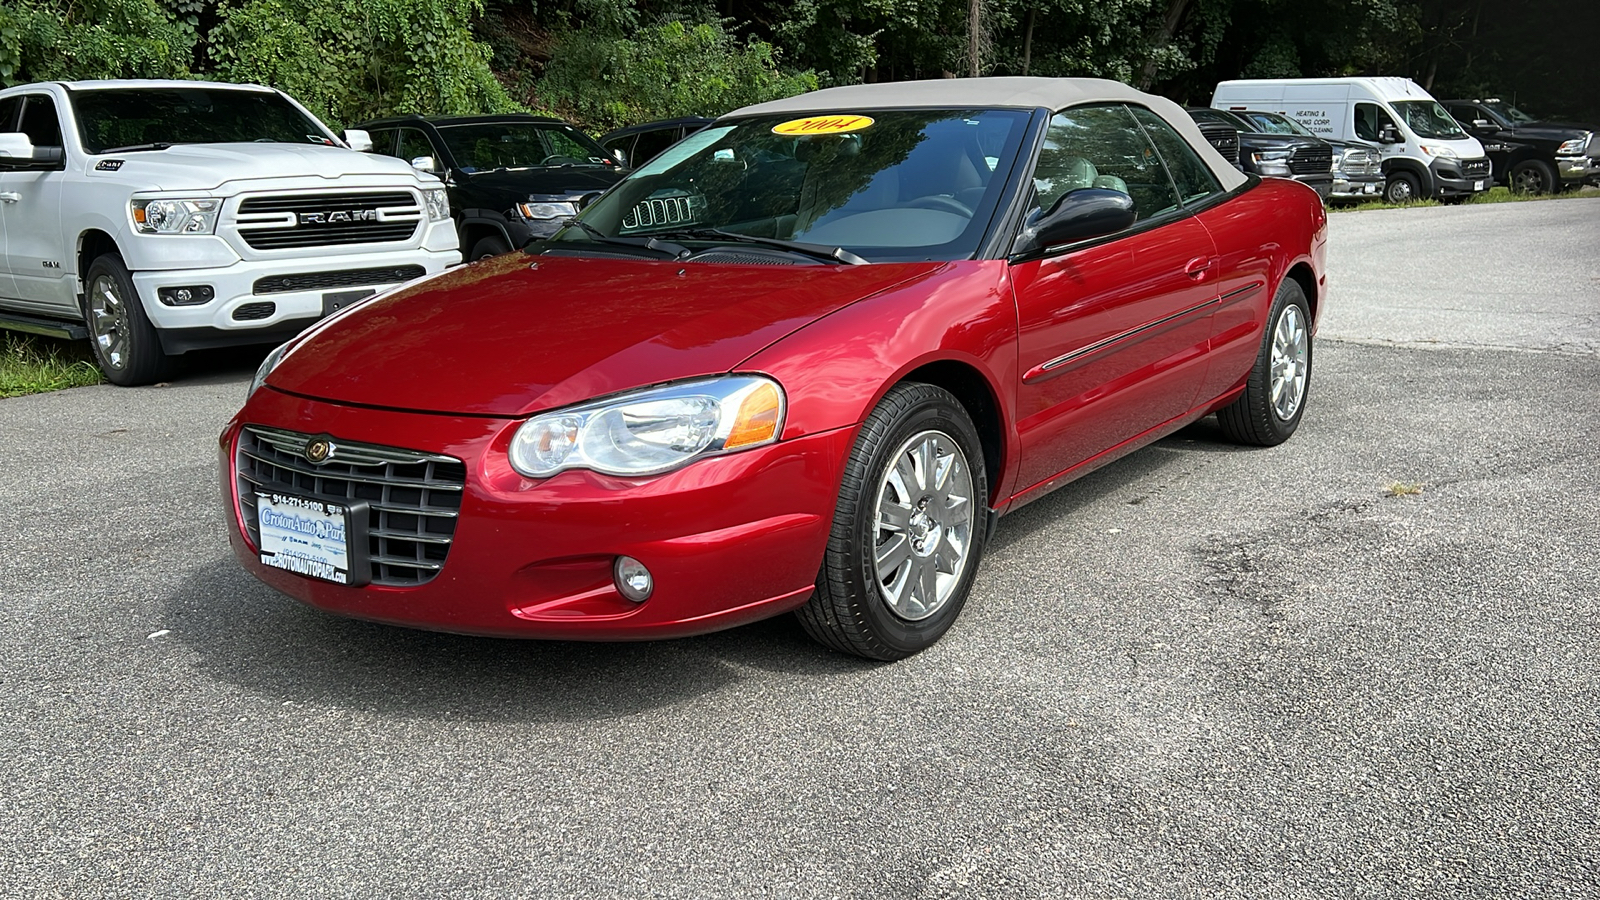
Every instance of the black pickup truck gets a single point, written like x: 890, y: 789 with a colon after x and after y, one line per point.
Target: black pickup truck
x: 1531, y: 156
x: 1308, y: 160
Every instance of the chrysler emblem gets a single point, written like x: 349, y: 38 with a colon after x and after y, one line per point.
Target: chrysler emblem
x: 319, y: 450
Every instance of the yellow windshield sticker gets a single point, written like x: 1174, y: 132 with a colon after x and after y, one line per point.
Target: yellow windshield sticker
x: 823, y: 125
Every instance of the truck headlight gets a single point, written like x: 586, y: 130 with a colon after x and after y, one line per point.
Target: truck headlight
x: 550, y: 210
x: 438, y: 202
x: 654, y: 430
x: 175, y: 215
x: 1575, y: 146
x: 1272, y: 162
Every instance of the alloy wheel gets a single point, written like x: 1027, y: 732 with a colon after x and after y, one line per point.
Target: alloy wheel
x: 923, y: 537
x: 1291, y: 346
x: 108, y: 317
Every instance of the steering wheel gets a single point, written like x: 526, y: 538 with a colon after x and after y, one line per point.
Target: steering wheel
x: 559, y: 160
x: 943, y: 203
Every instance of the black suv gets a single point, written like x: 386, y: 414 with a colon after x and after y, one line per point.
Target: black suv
x: 511, y: 178
x: 1530, y: 156
x: 1307, y: 160
x: 641, y: 143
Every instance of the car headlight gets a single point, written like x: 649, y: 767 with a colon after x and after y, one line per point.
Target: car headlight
x: 1575, y: 146
x: 550, y: 210
x: 654, y: 430
x: 175, y: 216
x: 1439, y: 151
x: 438, y: 203
x: 265, y: 369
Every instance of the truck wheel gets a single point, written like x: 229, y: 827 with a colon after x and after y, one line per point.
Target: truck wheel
x: 487, y: 247
x: 908, y: 532
x: 1403, y: 187
x: 1532, y: 176
x: 125, y: 345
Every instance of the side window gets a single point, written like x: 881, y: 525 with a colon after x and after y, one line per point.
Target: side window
x: 1194, y: 179
x: 39, y: 121
x: 625, y: 144
x: 1370, y: 120
x: 383, y: 141
x: 413, y: 144
x: 652, y: 143
x: 8, y: 114
x: 1102, y: 147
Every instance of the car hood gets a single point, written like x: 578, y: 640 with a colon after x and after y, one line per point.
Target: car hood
x: 551, y: 183
x: 195, y: 167
x: 515, y: 334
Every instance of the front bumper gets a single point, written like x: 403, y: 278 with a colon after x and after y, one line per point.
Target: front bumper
x: 1354, y: 187
x: 729, y: 539
x: 221, y: 321
x: 1321, y: 182
x: 1450, y: 181
x: 1578, y: 169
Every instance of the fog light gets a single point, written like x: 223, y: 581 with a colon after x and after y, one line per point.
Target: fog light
x: 633, y: 579
x: 193, y: 295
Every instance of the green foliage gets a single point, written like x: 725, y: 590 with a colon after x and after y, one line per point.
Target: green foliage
x: 603, y: 80
x: 350, y: 60
x: 74, y: 39
x: 33, y: 365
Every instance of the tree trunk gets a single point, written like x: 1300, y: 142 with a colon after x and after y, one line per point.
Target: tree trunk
x: 975, y: 38
x: 1169, y: 27
x: 1027, y: 41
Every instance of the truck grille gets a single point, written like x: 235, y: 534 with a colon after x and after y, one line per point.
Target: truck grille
x: 413, y: 498
x: 321, y: 220
x: 316, y: 281
x: 1223, y: 138
x: 1359, y: 162
x: 1475, y: 168
x: 1311, y: 160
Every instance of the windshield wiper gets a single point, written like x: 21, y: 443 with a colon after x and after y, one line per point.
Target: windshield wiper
x: 816, y: 251
x: 134, y: 148
x: 666, y: 249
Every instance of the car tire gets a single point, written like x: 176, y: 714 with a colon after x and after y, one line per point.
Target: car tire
x: 124, y: 342
x: 1532, y: 176
x: 1275, y: 392
x: 883, y: 592
x: 492, y: 245
x: 1402, y: 187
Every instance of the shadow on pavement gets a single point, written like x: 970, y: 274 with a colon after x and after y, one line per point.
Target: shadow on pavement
x: 245, y: 633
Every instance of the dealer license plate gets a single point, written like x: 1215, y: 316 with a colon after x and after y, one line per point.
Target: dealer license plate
x: 1477, y: 185
x: 309, y: 537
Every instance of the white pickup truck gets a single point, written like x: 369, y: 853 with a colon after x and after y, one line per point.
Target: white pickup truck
x: 160, y: 217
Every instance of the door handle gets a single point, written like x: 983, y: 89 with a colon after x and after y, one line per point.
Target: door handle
x: 1197, y: 267
x: 9, y: 196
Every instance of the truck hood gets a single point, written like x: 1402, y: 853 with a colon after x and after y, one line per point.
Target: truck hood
x: 206, y: 167
x: 551, y: 183
x: 515, y: 335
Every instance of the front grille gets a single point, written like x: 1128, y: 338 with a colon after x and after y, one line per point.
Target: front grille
x: 321, y: 220
x: 413, y: 498
x: 1475, y: 168
x: 1359, y: 162
x: 1223, y: 138
x: 1311, y: 160
x: 252, y: 312
x: 653, y: 212
x: 316, y: 281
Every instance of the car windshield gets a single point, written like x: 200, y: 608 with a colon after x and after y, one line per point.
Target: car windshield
x: 146, y: 118
x: 1428, y: 119
x: 1272, y: 123
x: 485, y: 147
x: 1508, y: 112
x: 892, y: 185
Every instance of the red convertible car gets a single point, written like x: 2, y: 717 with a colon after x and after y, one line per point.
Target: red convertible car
x: 802, y: 361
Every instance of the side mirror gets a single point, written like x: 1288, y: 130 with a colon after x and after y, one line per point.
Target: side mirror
x: 15, y: 146
x: 359, y: 140
x: 1077, y: 216
x: 1389, y: 134
x: 621, y: 155
x: 1480, y: 123
x: 426, y: 164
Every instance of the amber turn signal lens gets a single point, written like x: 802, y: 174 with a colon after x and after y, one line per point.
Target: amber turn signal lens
x: 757, y: 422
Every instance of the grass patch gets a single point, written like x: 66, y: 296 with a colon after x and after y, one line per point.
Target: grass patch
x: 1403, y: 488
x: 34, y: 365
x: 1492, y: 195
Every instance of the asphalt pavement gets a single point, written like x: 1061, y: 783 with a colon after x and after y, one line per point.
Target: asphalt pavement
x: 1361, y: 664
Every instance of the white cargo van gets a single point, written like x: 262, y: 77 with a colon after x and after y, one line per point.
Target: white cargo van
x: 1423, y: 151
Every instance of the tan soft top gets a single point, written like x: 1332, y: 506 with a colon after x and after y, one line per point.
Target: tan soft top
x: 1053, y: 94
